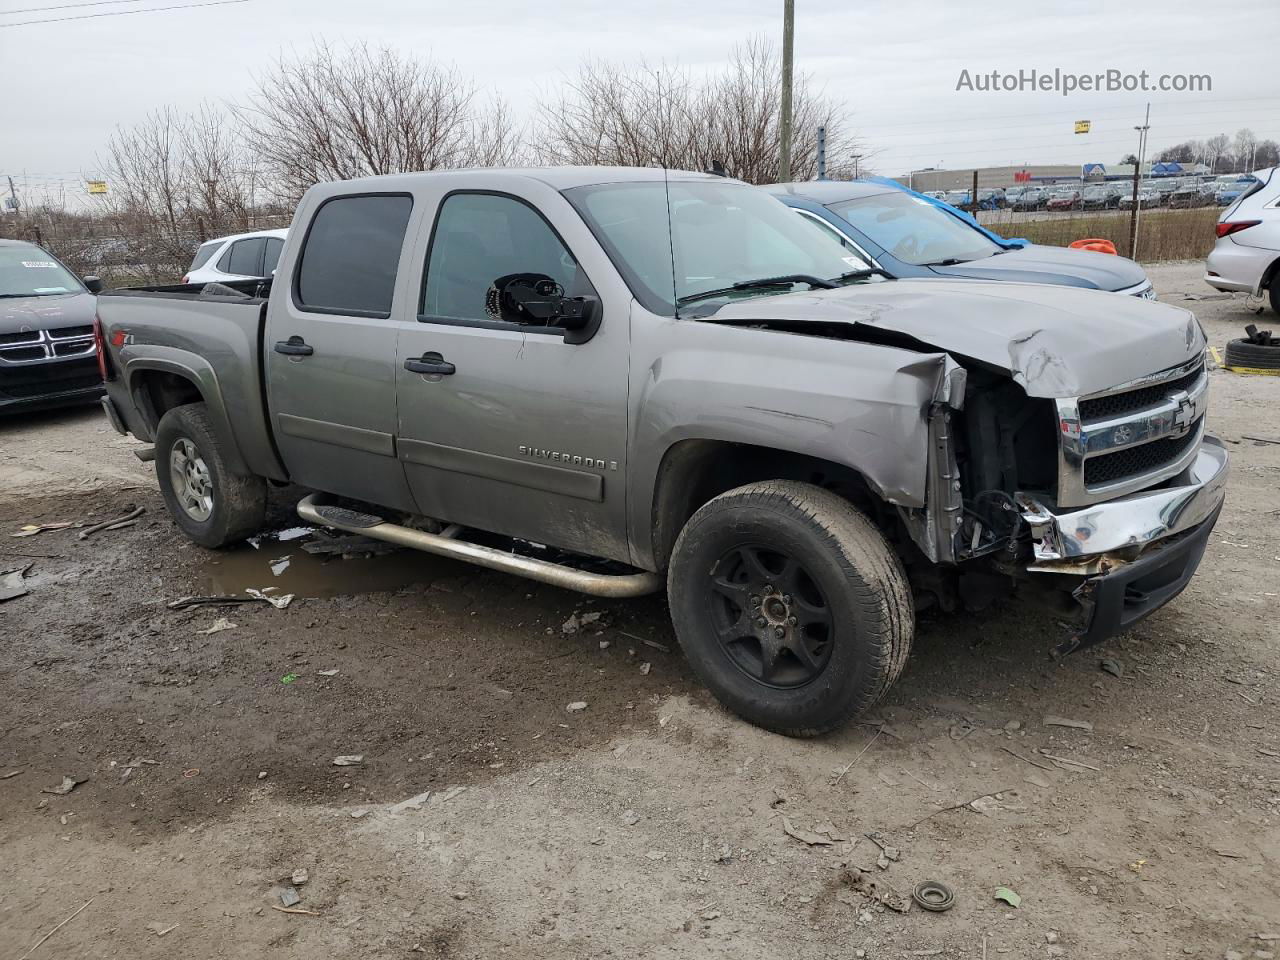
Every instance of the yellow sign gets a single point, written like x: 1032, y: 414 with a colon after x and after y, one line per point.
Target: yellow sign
x: 97, y: 186
x: 1082, y: 126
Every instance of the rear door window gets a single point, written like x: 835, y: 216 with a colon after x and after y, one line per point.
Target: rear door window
x: 244, y: 258
x: 203, y: 255
x: 351, y: 254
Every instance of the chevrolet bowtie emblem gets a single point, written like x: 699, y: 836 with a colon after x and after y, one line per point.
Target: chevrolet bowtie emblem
x: 1185, y: 415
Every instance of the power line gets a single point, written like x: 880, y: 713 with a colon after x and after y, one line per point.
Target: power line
x: 66, y: 6
x: 124, y: 13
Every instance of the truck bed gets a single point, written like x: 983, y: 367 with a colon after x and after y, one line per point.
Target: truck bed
x: 214, y: 340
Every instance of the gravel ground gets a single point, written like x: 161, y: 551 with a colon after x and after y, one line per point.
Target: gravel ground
x: 650, y: 824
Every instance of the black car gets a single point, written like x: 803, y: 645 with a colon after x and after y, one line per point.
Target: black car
x: 1100, y: 196
x: 48, y: 356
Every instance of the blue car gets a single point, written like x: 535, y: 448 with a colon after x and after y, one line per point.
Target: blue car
x: 905, y: 234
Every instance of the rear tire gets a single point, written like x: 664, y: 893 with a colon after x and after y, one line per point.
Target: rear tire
x: 1274, y: 291
x: 790, y: 606
x: 213, y: 506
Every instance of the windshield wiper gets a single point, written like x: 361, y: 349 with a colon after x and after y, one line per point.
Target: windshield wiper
x: 863, y: 275
x: 784, y: 280
x: 948, y: 262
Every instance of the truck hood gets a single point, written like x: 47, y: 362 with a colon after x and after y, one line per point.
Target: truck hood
x: 1054, y: 341
x: 1059, y: 265
x: 27, y: 314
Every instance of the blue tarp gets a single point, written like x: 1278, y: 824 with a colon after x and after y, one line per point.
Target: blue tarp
x: 941, y: 205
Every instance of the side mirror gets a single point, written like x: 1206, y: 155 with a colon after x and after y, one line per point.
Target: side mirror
x: 535, y: 299
x: 94, y: 284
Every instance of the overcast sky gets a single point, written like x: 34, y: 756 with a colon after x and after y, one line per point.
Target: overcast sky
x: 67, y: 85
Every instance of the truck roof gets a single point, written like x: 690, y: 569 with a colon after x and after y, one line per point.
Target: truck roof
x: 558, y: 178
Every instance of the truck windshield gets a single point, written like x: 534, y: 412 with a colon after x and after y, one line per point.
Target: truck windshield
x: 720, y: 234
x: 914, y: 230
x: 27, y: 271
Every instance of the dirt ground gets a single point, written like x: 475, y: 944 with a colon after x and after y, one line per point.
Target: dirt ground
x: 651, y: 824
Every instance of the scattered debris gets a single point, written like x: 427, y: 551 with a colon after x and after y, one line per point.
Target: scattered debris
x: 1008, y: 896
x: 31, y: 529
x: 630, y: 818
x: 280, y: 565
x: 11, y: 773
x: 577, y: 706
x: 861, y: 882
x: 967, y: 804
x: 299, y: 910
x: 1113, y: 667
x: 299, y: 876
x: 1013, y: 726
x: 159, y: 929
x: 289, y: 678
x: 571, y: 625
x: 811, y: 837
x: 1065, y: 762
x: 348, y: 760
x: 12, y: 583
x: 1067, y: 722
x: 359, y: 813
x: 290, y: 897
x: 183, y: 603
x: 68, y: 784
x: 35, y: 946
x: 1034, y: 763
x: 222, y: 623
x: 279, y: 602
x: 655, y: 644
x: 1231, y: 853
x: 1257, y: 439
x: 589, y: 618
x: 125, y: 520
x: 326, y: 673
x: 413, y: 803
x: 1038, y: 779
x: 840, y: 776
x: 262, y: 774
x: 934, y: 896
x: 191, y: 772
x: 450, y: 794
x: 646, y: 667
x: 711, y: 915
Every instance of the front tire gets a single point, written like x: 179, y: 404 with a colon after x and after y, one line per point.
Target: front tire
x: 790, y: 606
x: 213, y: 506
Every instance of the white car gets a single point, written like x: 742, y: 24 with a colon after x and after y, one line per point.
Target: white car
x: 243, y: 256
x: 1247, y: 254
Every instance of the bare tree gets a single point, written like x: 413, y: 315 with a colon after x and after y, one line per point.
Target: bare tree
x: 661, y: 114
x: 1215, y: 149
x: 1245, y: 143
x: 360, y: 111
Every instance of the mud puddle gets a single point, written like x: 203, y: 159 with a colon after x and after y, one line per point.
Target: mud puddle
x: 281, y: 560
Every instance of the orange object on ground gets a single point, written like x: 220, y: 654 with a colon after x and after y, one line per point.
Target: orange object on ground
x: 1095, y: 244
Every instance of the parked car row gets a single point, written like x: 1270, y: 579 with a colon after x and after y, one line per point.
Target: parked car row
x: 1112, y: 195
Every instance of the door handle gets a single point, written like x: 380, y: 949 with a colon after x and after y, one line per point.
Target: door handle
x: 430, y: 363
x: 294, y: 347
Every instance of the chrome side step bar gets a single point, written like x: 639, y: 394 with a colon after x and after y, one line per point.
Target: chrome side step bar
x: 312, y: 509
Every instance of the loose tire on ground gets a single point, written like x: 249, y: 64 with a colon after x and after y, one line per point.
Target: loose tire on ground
x: 213, y: 506
x: 790, y: 606
x: 1242, y: 353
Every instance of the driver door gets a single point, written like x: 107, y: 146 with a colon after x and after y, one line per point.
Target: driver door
x: 503, y: 426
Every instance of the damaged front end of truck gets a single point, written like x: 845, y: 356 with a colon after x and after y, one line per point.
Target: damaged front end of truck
x: 1046, y: 460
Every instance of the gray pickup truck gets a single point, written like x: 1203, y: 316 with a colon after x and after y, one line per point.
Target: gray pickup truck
x: 616, y: 380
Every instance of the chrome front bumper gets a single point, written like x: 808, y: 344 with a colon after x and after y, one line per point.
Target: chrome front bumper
x: 1078, y: 540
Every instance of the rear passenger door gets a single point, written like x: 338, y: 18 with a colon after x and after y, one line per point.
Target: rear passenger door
x: 330, y: 349
x: 244, y: 258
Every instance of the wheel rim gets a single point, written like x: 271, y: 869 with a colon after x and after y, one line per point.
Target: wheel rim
x: 770, y: 616
x: 192, y: 484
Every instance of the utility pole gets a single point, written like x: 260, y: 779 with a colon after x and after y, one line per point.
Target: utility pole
x: 822, y: 153
x: 788, y: 52
x: 856, y: 158
x: 1137, y: 172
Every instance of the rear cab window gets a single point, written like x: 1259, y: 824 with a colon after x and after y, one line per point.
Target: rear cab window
x: 350, y: 255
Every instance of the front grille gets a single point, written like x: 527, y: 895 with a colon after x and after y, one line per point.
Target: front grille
x: 72, y: 348
x: 62, y: 333
x: 23, y: 353
x: 41, y: 379
x: 1118, y: 404
x: 1135, y: 461
x: 29, y: 336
